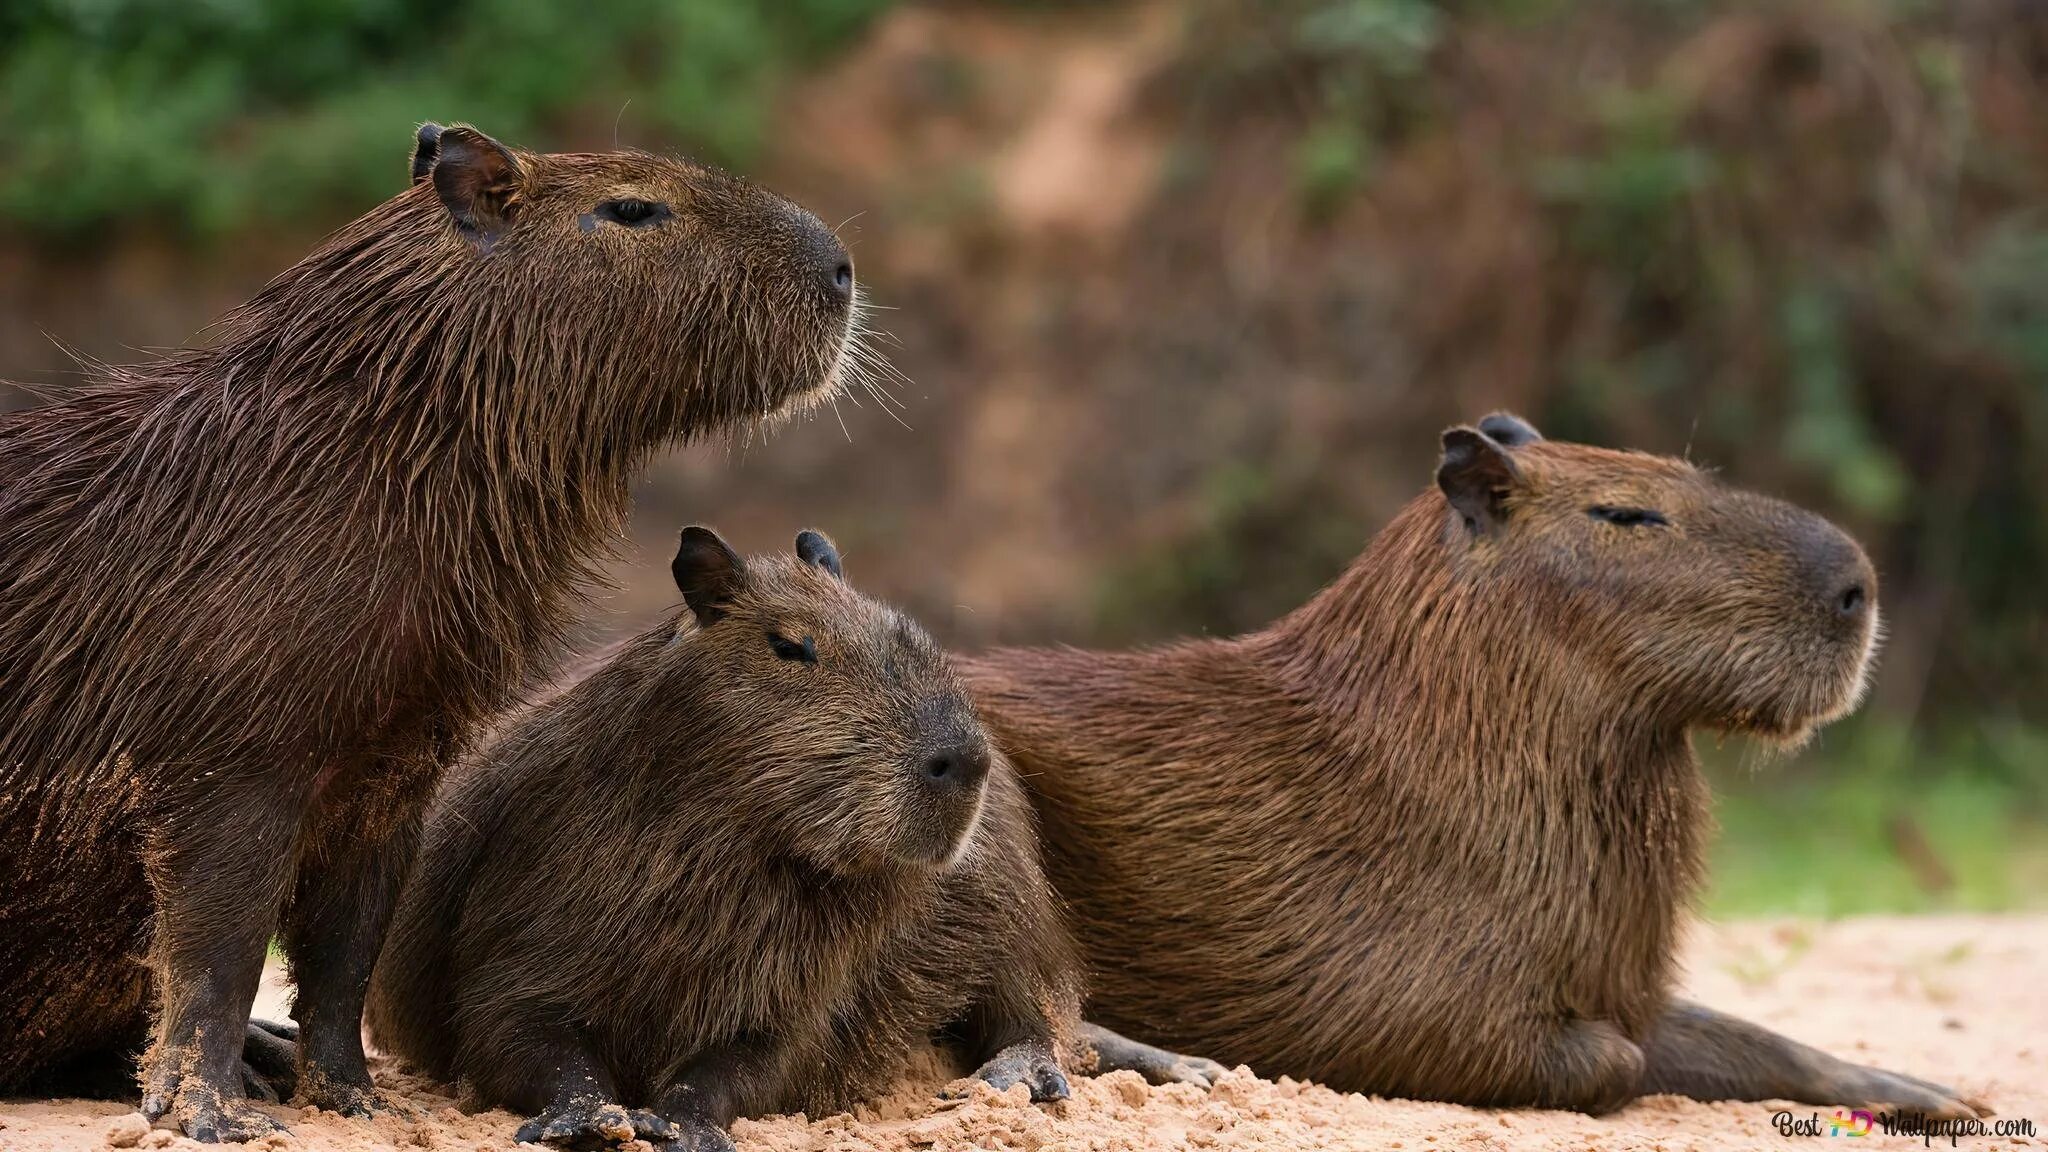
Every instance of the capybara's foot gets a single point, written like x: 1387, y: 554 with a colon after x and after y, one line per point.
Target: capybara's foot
x: 360, y: 1101
x: 1897, y: 1092
x: 1030, y: 1062
x: 1115, y: 1052
x: 208, y: 1118
x: 351, y: 1095
x: 588, y: 1122
x: 696, y: 1134
x: 1200, y: 1071
x: 171, y: 1088
x: 270, y: 1062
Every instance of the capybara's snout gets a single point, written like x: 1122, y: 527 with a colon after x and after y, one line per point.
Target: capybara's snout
x: 1838, y: 576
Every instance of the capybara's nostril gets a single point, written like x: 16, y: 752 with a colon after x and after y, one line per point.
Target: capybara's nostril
x: 961, y: 767
x: 1851, y: 601
x: 1837, y: 574
x: 829, y: 261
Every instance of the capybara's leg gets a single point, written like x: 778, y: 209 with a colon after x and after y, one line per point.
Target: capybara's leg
x: 348, y: 885
x: 219, y: 875
x: 1115, y: 1052
x: 1586, y: 1066
x: 1009, y: 1034
x: 1706, y: 1055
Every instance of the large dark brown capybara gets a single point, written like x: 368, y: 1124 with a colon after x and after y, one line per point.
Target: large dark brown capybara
x: 747, y: 864
x: 254, y: 595
x: 1432, y: 834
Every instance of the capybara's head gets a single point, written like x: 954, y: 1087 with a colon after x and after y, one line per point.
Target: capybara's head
x: 619, y: 295
x: 1683, y: 598
x: 858, y: 746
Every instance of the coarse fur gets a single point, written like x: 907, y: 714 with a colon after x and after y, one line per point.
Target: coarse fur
x: 254, y: 595
x: 747, y: 864
x: 1432, y: 834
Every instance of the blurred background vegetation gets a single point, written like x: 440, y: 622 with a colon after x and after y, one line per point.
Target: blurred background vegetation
x: 1185, y: 292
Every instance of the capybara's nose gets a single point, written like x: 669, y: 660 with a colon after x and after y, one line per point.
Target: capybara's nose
x: 958, y: 768
x: 1853, y: 600
x: 1841, y: 574
x: 830, y: 262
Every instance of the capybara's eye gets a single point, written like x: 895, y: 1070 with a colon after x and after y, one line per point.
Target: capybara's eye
x: 1627, y: 517
x: 633, y: 213
x: 788, y: 649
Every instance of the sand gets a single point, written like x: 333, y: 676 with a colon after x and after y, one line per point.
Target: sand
x: 1962, y: 1000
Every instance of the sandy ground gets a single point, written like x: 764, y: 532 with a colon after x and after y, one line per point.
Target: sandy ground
x: 1957, y: 999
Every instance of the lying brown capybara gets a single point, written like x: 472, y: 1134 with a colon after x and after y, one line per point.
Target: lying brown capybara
x: 1431, y: 834
x: 746, y: 864
x: 254, y: 595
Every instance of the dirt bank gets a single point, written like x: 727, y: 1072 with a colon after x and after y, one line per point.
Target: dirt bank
x: 1959, y: 999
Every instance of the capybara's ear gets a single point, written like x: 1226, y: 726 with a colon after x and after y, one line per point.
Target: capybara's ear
x: 814, y: 547
x: 708, y: 573
x: 1476, y: 476
x: 425, y: 150
x: 479, y: 179
x: 1509, y: 430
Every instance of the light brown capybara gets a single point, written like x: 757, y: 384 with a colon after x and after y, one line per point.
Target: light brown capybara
x: 254, y: 594
x: 748, y: 863
x: 1432, y: 834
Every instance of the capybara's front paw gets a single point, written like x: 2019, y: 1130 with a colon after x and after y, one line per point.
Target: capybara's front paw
x: 1897, y: 1092
x: 588, y: 1122
x: 1200, y: 1071
x: 208, y: 1118
x: 696, y: 1134
x: 171, y: 1088
x: 1031, y: 1063
x: 358, y: 1100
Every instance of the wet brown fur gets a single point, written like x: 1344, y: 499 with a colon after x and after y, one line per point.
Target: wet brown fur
x: 1432, y: 833
x: 711, y: 881
x: 254, y: 595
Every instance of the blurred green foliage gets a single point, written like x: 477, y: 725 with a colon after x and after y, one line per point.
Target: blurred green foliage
x: 1875, y: 819
x: 212, y: 115
x: 1812, y: 232
x: 1262, y: 544
x: 1826, y: 252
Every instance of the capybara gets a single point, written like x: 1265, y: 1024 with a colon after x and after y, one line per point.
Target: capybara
x: 746, y: 864
x: 1432, y: 833
x: 254, y: 594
